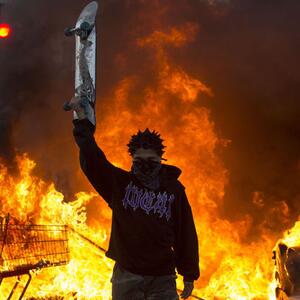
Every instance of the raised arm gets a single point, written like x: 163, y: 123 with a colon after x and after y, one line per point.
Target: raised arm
x: 99, y: 171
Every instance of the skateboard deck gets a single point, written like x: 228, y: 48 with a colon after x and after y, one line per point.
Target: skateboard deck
x: 85, y: 61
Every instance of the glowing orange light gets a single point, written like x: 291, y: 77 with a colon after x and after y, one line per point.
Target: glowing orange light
x: 4, y: 30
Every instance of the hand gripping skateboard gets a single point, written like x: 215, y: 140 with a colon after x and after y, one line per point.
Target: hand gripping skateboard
x: 85, y: 62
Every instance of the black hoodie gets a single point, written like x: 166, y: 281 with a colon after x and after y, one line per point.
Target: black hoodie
x: 152, y: 230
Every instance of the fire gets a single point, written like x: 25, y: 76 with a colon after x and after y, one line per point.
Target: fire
x: 292, y: 236
x: 231, y: 267
x: 30, y: 200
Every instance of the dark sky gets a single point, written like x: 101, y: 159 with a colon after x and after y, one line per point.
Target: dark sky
x: 247, y: 51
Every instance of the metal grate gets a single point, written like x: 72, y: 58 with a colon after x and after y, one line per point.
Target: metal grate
x: 33, y: 245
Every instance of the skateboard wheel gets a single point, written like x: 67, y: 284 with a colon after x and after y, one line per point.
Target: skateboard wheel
x: 85, y: 26
x: 69, y: 31
x: 67, y: 106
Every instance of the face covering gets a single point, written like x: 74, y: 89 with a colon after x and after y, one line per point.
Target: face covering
x: 147, y: 172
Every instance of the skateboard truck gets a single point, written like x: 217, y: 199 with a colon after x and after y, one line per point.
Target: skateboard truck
x: 83, y: 31
x: 83, y: 102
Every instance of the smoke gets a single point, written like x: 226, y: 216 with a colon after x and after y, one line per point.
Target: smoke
x: 246, y: 51
x: 253, y: 48
x: 36, y: 72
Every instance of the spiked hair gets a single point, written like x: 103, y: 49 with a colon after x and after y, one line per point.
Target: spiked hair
x: 147, y: 140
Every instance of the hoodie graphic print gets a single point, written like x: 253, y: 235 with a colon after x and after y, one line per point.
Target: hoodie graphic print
x: 148, y: 201
x: 153, y: 231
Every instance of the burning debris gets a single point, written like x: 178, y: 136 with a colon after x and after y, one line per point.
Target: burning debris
x: 26, y: 248
x: 286, y: 256
x: 42, y: 204
x: 287, y: 274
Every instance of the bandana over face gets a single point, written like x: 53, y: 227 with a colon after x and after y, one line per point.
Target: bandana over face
x: 147, y: 172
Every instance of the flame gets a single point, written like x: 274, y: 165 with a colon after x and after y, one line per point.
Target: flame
x: 30, y: 200
x: 291, y: 237
x: 231, y: 267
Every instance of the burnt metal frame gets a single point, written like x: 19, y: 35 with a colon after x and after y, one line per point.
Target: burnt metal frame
x: 19, y: 271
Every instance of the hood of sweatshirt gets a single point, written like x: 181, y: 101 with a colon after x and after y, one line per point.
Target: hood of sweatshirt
x: 169, y: 171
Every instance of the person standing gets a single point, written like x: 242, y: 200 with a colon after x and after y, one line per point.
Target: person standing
x: 153, y: 231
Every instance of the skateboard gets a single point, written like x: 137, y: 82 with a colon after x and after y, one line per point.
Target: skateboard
x: 85, y: 61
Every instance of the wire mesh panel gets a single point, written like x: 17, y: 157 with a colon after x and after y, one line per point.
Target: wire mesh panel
x: 33, y: 245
